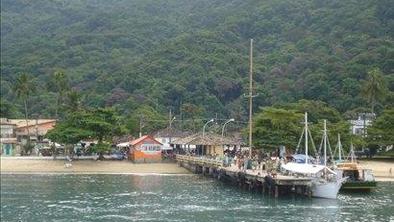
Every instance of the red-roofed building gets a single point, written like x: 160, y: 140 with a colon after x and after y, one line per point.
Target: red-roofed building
x: 145, y: 150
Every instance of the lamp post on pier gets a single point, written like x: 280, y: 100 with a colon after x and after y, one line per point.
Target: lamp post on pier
x: 203, y: 129
x: 224, y: 125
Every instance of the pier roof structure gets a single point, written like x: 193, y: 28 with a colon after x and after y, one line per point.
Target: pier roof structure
x: 206, y: 140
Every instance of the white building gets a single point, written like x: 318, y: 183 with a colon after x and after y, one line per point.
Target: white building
x: 167, y: 135
x: 8, y: 140
x: 362, y: 123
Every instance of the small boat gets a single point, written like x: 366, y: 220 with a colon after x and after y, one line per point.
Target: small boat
x: 358, y: 178
x: 325, y: 182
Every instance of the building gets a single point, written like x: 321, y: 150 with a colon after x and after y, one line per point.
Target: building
x: 207, y: 145
x: 167, y: 135
x: 36, y: 128
x: 14, y: 133
x: 145, y: 150
x: 8, y: 139
x: 363, y: 121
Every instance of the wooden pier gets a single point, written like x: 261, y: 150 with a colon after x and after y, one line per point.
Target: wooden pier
x: 257, y: 180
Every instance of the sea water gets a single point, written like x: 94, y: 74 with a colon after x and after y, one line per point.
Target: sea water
x: 174, y: 198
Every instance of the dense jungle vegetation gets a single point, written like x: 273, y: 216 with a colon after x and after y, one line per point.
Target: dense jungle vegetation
x: 144, y: 57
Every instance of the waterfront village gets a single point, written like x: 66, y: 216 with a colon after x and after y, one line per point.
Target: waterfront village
x: 15, y: 132
x: 226, y: 156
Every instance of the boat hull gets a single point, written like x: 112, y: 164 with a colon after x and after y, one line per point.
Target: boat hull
x: 327, y: 190
x: 359, y: 185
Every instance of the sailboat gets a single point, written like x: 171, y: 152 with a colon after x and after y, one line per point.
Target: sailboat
x: 358, y: 178
x: 325, y: 182
x: 340, y: 151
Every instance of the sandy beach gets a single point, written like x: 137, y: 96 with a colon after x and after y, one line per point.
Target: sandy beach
x: 381, y: 169
x: 88, y: 167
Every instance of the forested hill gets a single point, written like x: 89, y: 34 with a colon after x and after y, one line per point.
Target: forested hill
x: 194, y: 53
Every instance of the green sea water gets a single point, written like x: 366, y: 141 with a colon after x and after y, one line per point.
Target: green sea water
x: 174, y: 198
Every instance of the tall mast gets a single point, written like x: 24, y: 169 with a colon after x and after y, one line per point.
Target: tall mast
x: 339, y: 147
x: 250, y: 96
x: 306, y: 138
x: 352, y: 152
x: 325, y: 142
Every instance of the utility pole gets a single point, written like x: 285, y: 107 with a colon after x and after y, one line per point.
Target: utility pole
x: 141, y: 126
x: 170, y: 119
x: 250, y: 96
x: 170, y: 130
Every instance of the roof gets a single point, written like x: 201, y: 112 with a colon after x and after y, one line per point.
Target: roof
x: 136, y: 141
x: 5, y: 121
x: 304, y: 168
x: 207, y: 139
x: 171, y: 132
x: 348, y: 166
x: 32, y: 122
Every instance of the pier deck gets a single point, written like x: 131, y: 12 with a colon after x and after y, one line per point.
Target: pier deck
x: 251, y: 178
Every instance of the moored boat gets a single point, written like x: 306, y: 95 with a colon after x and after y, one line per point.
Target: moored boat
x: 357, y: 177
x: 325, y: 182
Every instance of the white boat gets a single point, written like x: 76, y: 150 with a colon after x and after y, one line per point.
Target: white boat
x: 325, y: 182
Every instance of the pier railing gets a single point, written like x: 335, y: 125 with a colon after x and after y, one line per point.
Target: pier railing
x: 200, y: 160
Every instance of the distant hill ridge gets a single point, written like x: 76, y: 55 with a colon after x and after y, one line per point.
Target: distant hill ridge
x: 166, y: 54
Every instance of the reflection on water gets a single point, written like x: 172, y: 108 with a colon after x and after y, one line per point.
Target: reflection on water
x: 173, y: 198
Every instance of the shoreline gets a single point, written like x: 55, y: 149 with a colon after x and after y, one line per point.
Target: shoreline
x: 49, y: 166
x: 91, y: 173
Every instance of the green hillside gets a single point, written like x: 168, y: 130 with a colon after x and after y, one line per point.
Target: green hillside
x: 179, y: 53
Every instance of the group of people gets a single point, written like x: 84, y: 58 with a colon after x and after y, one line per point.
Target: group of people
x: 258, y: 161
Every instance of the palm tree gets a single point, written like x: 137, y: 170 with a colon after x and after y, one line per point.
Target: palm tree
x: 62, y: 86
x: 374, y: 88
x: 73, y: 101
x: 23, y: 88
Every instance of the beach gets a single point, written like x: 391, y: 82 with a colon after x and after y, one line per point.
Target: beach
x: 30, y: 166
x: 381, y: 169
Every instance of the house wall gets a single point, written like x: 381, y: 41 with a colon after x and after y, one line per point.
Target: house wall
x: 166, y: 140
x: 147, y: 151
x: 7, y: 131
x: 8, y: 149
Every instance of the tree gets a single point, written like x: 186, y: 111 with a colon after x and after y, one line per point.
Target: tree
x: 60, y: 85
x: 72, y: 101
x: 317, y: 110
x: 191, y: 111
x: 274, y: 127
x: 24, y: 87
x: 381, y: 132
x: 101, y: 124
x: 374, y: 89
x: 145, y: 118
x: 7, y: 109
